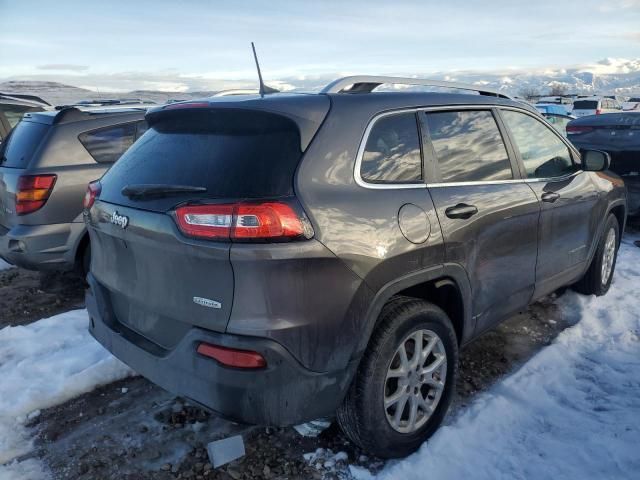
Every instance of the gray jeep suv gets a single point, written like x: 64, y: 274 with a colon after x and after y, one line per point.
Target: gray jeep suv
x: 45, y: 166
x: 286, y: 257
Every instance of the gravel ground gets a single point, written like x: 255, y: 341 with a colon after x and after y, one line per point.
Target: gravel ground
x: 134, y: 430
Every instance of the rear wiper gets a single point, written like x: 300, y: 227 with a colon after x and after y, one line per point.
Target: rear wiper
x: 152, y: 190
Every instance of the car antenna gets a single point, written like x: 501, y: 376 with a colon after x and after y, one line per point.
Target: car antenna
x: 264, y: 89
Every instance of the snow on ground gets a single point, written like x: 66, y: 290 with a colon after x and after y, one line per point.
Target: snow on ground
x: 43, y: 364
x: 4, y: 265
x: 572, y: 411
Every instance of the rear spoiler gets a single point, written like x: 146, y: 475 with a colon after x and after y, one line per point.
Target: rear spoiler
x: 26, y: 98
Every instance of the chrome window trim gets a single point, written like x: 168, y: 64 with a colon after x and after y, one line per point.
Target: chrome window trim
x: 402, y: 186
x: 363, y: 145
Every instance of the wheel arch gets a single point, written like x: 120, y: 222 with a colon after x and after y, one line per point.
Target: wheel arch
x: 446, y: 286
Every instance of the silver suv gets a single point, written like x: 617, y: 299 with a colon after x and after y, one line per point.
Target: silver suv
x: 45, y: 165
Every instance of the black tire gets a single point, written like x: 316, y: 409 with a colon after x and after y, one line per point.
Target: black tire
x: 362, y: 415
x: 592, y: 283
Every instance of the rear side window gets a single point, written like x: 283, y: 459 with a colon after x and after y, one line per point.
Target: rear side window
x: 585, y: 105
x: 468, y: 146
x: 14, y: 113
x: 392, y: 153
x: 23, y: 141
x: 106, y: 145
x: 233, y: 154
x: 544, y: 155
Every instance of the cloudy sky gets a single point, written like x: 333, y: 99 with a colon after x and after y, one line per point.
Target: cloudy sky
x: 189, y: 44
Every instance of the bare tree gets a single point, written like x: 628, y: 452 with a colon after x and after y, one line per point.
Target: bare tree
x: 558, y: 90
x: 529, y: 93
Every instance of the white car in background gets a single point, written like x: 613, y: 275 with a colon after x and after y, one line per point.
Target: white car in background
x: 633, y: 104
x: 594, y: 106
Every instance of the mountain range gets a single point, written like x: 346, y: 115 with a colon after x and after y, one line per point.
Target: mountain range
x: 608, y: 76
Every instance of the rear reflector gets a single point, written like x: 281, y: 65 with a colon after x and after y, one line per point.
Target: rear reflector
x: 93, y: 191
x: 576, y: 130
x: 33, y: 192
x: 231, y: 357
x: 245, y: 221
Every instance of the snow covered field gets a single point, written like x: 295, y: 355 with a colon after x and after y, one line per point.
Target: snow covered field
x: 43, y: 364
x: 573, y: 411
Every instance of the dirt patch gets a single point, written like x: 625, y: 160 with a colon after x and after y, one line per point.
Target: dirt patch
x: 27, y: 296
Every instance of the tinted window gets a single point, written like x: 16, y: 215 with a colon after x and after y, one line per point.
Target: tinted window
x: 392, y: 153
x: 559, y: 122
x: 17, y: 150
x: 585, y: 105
x: 543, y: 153
x: 106, y: 145
x: 234, y: 154
x: 468, y: 146
x: 14, y: 113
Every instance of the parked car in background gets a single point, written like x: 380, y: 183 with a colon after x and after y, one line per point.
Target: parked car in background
x: 282, y: 257
x: 566, y: 101
x: 619, y: 135
x: 13, y: 107
x: 45, y: 166
x: 632, y: 104
x: 555, y: 108
x: 594, y: 106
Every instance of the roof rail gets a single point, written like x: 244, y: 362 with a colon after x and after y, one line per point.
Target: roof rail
x: 368, y: 83
x: 123, y: 102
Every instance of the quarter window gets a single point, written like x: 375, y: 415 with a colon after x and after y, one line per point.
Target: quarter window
x: 106, y: 145
x: 468, y: 146
x: 392, y: 152
x: 543, y: 153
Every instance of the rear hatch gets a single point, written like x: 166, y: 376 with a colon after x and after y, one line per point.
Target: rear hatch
x: 16, y: 154
x: 158, y: 281
x: 582, y: 108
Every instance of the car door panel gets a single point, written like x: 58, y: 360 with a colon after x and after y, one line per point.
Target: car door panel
x: 567, y: 227
x: 497, y: 246
x: 488, y: 215
x: 568, y: 199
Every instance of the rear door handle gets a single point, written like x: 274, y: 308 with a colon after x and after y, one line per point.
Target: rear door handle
x: 550, y: 197
x: 461, y: 210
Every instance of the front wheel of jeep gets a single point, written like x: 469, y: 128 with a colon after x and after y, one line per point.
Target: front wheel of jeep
x: 405, y: 381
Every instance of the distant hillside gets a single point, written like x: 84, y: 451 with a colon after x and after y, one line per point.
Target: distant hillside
x: 608, y: 76
x: 61, y: 94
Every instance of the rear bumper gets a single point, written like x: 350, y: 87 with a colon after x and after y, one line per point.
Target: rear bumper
x: 41, y: 247
x: 284, y: 393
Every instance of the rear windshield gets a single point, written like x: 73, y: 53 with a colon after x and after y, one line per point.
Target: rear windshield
x: 233, y: 154
x: 585, y: 105
x: 17, y: 150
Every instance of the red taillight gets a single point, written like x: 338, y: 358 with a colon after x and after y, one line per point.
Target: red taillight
x: 33, y: 192
x: 575, y: 130
x: 93, y: 190
x: 243, y: 221
x: 598, y: 111
x: 231, y: 357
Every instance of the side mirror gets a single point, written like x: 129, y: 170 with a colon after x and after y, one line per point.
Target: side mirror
x: 595, y: 160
